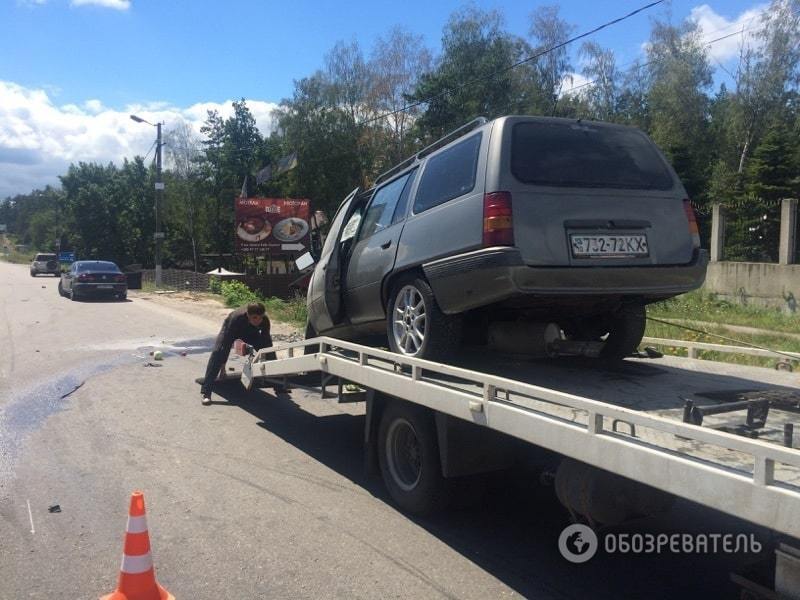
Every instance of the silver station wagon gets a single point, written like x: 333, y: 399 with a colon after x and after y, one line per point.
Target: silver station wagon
x: 518, y: 233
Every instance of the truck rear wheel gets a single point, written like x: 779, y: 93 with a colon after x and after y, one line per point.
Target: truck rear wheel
x: 408, y: 454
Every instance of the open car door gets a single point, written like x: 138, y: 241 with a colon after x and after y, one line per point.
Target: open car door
x: 334, y: 286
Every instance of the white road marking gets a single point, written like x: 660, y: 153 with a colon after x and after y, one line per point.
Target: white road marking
x: 30, y: 515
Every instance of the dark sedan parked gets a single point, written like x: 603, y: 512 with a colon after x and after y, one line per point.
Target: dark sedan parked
x: 93, y: 278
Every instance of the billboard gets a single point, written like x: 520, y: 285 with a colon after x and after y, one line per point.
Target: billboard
x: 272, y: 225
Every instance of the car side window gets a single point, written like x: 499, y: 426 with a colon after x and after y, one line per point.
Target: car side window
x: 381, y: 210
x: 402, y: 204
x: 448, y: 175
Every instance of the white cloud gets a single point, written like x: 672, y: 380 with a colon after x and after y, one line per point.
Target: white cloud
x: 115, y: 4
x: 574, y: 84
x: 39, y: 139
x: 714, y: 25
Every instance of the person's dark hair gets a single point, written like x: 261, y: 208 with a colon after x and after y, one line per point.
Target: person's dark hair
x: 256, y: 308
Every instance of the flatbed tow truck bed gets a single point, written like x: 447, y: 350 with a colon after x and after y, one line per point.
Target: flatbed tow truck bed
x: 626, y: 419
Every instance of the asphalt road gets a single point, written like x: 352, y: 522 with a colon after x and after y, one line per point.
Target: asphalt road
x: 253, y: 496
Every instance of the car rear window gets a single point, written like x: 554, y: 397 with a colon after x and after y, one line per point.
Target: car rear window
x: 98, y: 266
x: 586, y: 155
x: 45, y: 257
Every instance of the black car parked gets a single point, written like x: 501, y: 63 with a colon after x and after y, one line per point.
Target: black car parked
x: 93, y: 278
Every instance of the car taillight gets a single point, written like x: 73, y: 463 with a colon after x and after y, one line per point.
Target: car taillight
x: 693, y: 229
x: 120, y: 278
x: 85, y: 277
x: 498, y: 225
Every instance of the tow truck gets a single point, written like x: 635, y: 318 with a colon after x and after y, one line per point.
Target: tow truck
x: 630, y: 438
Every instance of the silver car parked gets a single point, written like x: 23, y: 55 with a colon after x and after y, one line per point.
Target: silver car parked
x: 506, y: 225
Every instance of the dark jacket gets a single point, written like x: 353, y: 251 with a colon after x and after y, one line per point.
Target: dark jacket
x: 238, y: 327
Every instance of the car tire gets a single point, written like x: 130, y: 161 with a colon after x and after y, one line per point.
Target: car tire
x: 439, y: 335
x: 72, y: 295
x: 408, y: 456
x: 626, y: 330
x: 61, y: 290
x: 33, y: 273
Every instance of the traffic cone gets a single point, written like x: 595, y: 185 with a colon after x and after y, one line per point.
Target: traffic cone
x: 137, y: 578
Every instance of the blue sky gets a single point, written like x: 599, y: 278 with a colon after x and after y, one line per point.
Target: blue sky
x: 71, y: 70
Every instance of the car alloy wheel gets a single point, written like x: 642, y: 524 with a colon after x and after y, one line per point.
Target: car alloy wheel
x: 409, y: 320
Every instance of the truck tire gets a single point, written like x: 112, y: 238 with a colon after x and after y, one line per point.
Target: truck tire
x: 408, y: 455
x: 416, y: 326
x: 310, y: 333
x: 626, y: 329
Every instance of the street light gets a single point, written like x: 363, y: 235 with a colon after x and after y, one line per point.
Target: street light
x: 158, y: 235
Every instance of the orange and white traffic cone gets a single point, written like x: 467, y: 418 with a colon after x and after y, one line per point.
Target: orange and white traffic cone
x: 137, y: 577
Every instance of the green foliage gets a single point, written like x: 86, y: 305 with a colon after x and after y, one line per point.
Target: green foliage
x: 290, y: 311
x: 215, y: 285
x: 467, y: 82
x: 236, y: 294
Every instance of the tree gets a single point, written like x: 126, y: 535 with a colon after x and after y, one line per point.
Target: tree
x: 233, y: 148
x: 472, y: 77
x: 679, y: 76
x: 768, y: 68
x: 398, y: 61
x: 601, y: 69
x: 326, y: 142
x: 548, y: 30
x: 183, y: 157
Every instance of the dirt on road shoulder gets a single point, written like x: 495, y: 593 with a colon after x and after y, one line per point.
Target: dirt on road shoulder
x: 205, y: 307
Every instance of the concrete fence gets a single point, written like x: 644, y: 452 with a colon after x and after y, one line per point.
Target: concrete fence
x: 774, y: 285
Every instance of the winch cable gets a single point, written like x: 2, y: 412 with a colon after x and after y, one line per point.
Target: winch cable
x: 722, y: 337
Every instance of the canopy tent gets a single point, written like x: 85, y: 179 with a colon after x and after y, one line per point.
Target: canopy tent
x: 222, y: 272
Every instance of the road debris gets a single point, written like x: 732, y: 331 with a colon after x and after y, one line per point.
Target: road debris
x: 73, y: 390
x: 55, y: 508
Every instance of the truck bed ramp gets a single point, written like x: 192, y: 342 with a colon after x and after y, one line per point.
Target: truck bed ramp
x: 748, y: 478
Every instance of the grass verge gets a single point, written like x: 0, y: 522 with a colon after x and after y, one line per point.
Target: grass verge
x: 771, y: 340
x: 703, y: 306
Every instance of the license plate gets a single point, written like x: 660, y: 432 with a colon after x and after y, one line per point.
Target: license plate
x: 105, y: 287
x: 608, y: 246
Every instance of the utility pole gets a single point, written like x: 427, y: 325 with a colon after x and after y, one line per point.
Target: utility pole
x: 159, y: 235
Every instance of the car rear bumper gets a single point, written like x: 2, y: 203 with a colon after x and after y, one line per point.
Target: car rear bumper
x: 98, y: 289
x: 492, y: 275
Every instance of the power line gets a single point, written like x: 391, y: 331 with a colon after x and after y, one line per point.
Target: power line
x: 705, y: 45
x: 516, y: 64
x: 650, y: 62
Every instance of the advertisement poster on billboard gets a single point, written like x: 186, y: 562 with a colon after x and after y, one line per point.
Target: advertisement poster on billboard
x: 272, y: 225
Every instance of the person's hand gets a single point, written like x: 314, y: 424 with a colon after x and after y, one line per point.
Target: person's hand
x: 240, y: 347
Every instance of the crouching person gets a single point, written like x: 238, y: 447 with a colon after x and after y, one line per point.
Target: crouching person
x: 249, y: 324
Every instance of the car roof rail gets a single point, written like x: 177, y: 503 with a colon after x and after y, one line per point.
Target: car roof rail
x: 442, y: 141
x: 453, y: 135
x: 396, y: 169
